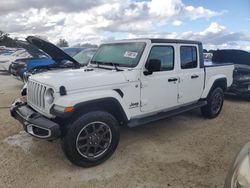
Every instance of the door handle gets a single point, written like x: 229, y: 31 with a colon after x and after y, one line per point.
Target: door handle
x: 172, y: 79
x: 194, y: 76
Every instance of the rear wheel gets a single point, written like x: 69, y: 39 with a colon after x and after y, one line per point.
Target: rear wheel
x: 91, y: 139
x: 214, y: 103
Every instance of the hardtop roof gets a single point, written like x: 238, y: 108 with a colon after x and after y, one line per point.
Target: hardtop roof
x: 159, y: 40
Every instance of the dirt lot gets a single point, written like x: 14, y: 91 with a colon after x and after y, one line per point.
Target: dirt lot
x: 179, y: 152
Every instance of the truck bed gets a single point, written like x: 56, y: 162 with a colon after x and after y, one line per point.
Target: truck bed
x: 215, y: 64
x: 214, y: 71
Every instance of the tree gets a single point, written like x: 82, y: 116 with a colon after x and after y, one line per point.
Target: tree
x: 62, y: 43
x: 2, y: 35
x: 205, y: 51
x: 211, y: 51
x: 6, y: 40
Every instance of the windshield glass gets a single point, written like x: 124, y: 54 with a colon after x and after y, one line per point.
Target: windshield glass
x: 18, y: 52
x: 84, y: 56
x: 122, y: 54
x: 72, y: 51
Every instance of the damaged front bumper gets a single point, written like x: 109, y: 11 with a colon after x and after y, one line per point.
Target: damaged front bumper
x: 33, y: 122
x: 240, y: 89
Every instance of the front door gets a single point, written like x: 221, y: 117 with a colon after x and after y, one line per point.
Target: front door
x: 159, y: 90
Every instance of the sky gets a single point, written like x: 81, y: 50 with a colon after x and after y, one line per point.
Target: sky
x: 216, y: 23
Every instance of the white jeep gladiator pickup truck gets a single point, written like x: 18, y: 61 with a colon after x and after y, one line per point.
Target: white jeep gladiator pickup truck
x: 127, y: 83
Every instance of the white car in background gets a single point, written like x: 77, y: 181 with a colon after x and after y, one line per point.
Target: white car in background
x: 7, y: 51
x: 207, y: 56
x: 6, y: 60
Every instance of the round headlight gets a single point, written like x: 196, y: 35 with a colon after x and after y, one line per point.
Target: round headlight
x: 49, y: 96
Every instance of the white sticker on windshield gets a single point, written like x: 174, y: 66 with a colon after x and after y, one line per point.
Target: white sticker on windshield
x: 129, y: 54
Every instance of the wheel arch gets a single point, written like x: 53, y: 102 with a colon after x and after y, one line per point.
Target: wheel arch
x: 108, y: 104
x: 221, y: 82
x: 217, y: 82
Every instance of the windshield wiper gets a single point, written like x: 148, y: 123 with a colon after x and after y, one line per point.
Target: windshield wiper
x: 98, y: 63
x: 115, y: 65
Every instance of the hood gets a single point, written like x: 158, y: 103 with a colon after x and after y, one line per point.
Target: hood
x: 53, y: 51
x: 77, y: 79
x: 32, y: 50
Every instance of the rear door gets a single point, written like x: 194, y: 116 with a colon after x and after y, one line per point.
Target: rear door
x: 191, y: 75
x: 159, y: 90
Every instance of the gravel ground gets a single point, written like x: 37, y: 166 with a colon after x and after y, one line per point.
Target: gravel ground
x: 186, y: 151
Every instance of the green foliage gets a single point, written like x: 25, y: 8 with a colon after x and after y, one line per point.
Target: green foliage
x: 62, y: 43
x: 6, y: 40
x: 211, y: 51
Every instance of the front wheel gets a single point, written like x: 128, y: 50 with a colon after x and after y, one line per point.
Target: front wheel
x: 91, y: 139
x: 214, y: 103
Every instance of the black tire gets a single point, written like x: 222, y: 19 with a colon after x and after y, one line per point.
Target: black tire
x: 81, y: 131
x: 214, y: 105
x: 247, y: 98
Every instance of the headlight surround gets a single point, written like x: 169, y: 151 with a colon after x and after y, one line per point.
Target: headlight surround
x: 49, y: 96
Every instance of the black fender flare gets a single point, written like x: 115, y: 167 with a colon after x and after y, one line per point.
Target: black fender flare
x: 220, y: 82
x: 108, y: 104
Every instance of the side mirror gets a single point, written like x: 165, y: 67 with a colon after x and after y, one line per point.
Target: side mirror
x: 153, y: 65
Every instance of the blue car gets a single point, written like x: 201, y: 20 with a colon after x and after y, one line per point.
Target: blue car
x: 18, y: 67
x: 39, y: 60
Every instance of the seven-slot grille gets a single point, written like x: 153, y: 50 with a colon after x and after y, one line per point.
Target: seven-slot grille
x: 36, y: 92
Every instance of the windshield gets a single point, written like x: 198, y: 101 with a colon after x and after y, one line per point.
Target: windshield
x: 122, y: 54
x: 72, y: 51
x: 18, y: 52
x: 84, y: 56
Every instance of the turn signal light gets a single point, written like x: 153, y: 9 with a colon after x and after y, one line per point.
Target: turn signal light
x: 68, y: 109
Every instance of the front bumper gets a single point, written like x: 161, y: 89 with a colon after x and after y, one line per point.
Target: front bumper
x: 33, y: 122
x: 241, y: 89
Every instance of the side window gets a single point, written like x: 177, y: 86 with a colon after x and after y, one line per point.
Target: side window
x: 165, y: 54
x: 188, y: 57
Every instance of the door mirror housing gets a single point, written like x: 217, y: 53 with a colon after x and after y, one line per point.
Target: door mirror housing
x: 153, y: 65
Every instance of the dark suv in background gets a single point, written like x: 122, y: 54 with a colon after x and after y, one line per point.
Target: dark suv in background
x: 241, y: 76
